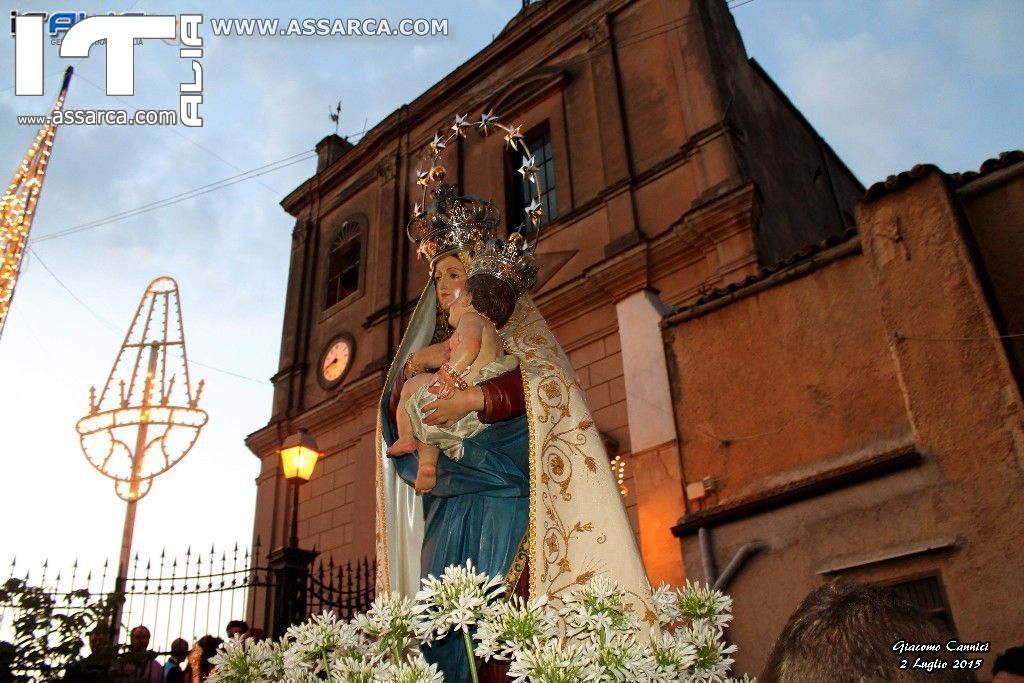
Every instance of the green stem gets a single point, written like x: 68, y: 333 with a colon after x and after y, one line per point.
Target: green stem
x: 327, y: 665
x: 469, y: 653
x: 396, y: 653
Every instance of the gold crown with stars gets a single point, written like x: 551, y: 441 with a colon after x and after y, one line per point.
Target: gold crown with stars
x: 509, y: 260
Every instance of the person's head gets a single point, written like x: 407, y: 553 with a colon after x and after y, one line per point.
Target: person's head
x: 1009, y: 666
x: 491, y: 296
x: 852, y: 628
x: 449, y: 277
x: 237, y: 627
x: 208, y: 644
x: 179, y: 650
x: 139, y: 639
x: 99, y: 640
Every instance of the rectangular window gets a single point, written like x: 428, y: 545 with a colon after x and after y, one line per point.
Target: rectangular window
x: 343, y: 264
x: 521, y: 191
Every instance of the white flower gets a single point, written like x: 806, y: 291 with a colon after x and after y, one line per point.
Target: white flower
x: 666, y: 605
x: 703, y: 604
x: 711, y: 663
x: 550, y: 662
x: 413, y: 670
x: 311, y: 645
x: 390, y: 622
x: 620, y: 658
x: 673, y: 656
x: 244, y: 661
x: 352, y: 669
x: 455, y: 601
x: 596, y: 612
x: 512, y: 625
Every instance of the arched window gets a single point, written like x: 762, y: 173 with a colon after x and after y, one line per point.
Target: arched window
x: 343, y: 263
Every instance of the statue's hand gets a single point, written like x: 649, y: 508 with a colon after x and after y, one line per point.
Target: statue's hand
x: 447, y: 411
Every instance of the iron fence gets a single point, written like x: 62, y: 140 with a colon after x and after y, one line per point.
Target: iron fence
x: 198, y: 593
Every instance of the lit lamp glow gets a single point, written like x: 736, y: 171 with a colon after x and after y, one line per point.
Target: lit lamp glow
x: 299, y: 454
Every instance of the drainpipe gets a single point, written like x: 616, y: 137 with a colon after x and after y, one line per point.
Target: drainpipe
x: 738, y: 560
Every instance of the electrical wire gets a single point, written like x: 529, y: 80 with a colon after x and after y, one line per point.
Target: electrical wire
x: 117, y: 331
x: 178, y: 198
x: 902, y: 337
x: 178, y: 133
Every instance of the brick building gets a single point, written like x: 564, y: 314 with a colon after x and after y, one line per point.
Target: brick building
x: 679, y: 177
x: 857, y: 411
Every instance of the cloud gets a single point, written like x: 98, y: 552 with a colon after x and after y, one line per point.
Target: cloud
x: 896, y: 82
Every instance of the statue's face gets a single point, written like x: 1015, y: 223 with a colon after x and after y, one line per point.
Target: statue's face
x: 449, y: 278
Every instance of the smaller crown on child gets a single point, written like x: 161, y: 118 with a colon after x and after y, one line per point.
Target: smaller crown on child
x: 510, y: 261
x: 451, y: 223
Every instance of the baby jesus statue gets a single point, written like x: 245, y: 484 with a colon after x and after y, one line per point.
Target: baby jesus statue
x: 476, y: 355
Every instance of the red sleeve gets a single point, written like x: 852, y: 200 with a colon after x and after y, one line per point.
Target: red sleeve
x: 503, y: 397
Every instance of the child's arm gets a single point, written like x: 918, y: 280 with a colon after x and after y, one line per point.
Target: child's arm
x: 428, y: 358
x: 450, y: 375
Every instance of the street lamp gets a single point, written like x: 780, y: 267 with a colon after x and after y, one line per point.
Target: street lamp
x: 290, y: 564
x: 299, y: 454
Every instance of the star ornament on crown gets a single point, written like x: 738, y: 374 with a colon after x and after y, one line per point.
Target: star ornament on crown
x: 451, y: 223
x: 511, y: 261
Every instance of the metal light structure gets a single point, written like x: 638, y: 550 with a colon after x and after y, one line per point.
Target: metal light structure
x: 18, y: 204
x: 146, y: 418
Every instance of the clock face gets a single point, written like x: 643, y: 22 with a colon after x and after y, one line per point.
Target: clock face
x: 335, y: 360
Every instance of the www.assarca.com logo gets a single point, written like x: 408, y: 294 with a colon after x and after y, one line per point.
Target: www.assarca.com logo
x: 120, y: 34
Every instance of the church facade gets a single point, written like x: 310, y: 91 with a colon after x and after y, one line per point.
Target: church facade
x: 711, y: 268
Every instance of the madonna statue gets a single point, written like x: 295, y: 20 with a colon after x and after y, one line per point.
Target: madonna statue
x: 533, y: 497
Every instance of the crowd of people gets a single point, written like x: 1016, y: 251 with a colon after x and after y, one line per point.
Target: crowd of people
x: 184, y: 663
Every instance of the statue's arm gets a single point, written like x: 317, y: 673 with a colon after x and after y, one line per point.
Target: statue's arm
x: 495, y: 400
x: 502, y: 397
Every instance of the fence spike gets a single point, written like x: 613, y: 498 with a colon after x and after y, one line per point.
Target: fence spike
x: 74, y: 575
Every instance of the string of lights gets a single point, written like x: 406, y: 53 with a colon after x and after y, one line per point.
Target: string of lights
x: 18, y: 204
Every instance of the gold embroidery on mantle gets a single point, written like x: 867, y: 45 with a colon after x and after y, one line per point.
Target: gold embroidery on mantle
x: 571, y: 484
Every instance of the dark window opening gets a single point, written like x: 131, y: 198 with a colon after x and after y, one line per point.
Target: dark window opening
x: 343, y: 262
x: 521, y: 192
x: 927, y: 595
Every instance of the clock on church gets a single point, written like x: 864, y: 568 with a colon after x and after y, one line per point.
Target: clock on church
x: 335, y: 360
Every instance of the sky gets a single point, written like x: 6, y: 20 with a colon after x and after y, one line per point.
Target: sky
x: 888, y: 83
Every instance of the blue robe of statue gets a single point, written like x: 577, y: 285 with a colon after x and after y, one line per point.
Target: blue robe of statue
x: 478, y: 510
